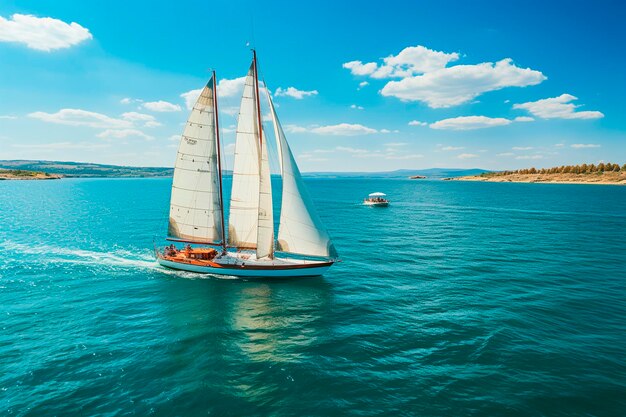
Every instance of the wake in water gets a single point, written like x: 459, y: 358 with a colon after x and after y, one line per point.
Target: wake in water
x: 116, y: 258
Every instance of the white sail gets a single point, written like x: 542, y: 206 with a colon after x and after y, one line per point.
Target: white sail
x: 265, y: 238
x: 244, y: 201
x: 301, y: 230
x: 195, y: 210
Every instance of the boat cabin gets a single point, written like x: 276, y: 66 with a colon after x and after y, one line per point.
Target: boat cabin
x: 203, y: 254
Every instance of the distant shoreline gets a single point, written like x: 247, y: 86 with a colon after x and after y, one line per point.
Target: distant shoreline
x: 606, y: 178
x: 68, y: 169
x: 20, y: 175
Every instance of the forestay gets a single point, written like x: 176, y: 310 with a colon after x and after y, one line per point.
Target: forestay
x: 195, y: 211
x: 301, y: 230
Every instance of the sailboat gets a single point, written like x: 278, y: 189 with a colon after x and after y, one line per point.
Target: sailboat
x: 196, y: 217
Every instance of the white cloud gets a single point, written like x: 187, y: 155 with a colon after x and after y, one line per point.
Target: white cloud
x: 229, y: 129
x: 61, y: 146
x: 469, y: 123
x: 344, y: 129
x: 229, y: 110
x: 365, y: 153
x: 130, y: 100
x: 311, y: 158
x: 226, y: 88
x: 8, y: 117
x: 467, y: 156
x: 523, y: 119
x: 294, y: 92
x: 359, y: 68
x: 557, y: 108
x: 351, y: 150
x: 161, y: 106
x: 396, y: 144
x: 354, y: 106
x: 410, y: 61
x: 77, y: 117
x: 174, y: 138
x: 451, y: 86
x: 147, y: 119
x: 341, y: 129
x: 123, y: 133
x: 584, y: 145
x: 42, y: 33
x: 506, y: 154
x: 452, y: 148
x: 230, y: 88
x: 406, y: 156
x: 529, y: 157
x: 294, y: 129
x: 426, y: 76
x: 522, y: 148
x: 417, y: 123
x: 363, y: 84
x: 191, y: 97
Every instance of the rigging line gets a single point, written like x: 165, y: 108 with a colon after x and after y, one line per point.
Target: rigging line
x: 219, y: 159
x: 274, y: 157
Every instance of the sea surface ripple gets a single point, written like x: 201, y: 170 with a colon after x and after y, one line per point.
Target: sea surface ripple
x: 459, y: 299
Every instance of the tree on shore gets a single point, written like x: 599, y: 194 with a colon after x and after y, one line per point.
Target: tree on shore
x: 570, y: 169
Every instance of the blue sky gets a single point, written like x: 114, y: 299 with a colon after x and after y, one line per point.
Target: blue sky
x: 359, y: 87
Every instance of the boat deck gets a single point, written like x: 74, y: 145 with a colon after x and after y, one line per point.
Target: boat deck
x: 240, y: 263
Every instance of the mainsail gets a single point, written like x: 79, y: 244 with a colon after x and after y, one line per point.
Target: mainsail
x: 265, y: 238
x: 244, y: 199
x: 301, y: 230
x: 195, y: 209
x: 251, y: 220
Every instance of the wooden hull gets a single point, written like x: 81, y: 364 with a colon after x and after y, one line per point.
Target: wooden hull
x: 251, y: 269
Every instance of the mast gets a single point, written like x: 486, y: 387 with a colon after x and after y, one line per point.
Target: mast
x: 219, y: 160
x: 258, y: 104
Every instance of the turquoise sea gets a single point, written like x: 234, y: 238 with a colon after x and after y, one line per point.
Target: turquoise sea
x: 478, y: 299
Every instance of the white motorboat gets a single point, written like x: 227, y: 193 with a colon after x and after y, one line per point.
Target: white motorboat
x: 376, y: 200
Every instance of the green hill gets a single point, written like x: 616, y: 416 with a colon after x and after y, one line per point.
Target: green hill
x: 82, y: 169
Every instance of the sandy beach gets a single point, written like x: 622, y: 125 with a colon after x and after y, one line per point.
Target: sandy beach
x: 604, y: 178
x: 27, y: 175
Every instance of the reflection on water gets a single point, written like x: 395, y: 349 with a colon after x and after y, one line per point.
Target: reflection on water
x: 279, y: 322
x: 242, y: 338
